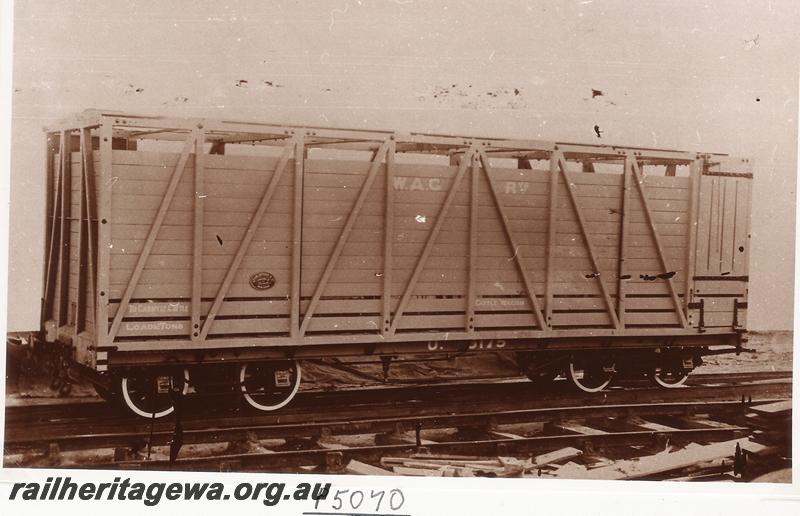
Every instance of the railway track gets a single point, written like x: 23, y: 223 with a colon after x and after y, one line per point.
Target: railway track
x: 480, y: 409
x: 499, y: 389
x: 366, y: 425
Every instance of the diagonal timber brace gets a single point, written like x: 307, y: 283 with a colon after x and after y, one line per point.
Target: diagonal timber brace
x: 345, y: 233
x: 582, y: 223
x: 517, y: 250
x: 637, y: 176
x: 426, y: 251
x: 255, y: 220
x: 151, y: 236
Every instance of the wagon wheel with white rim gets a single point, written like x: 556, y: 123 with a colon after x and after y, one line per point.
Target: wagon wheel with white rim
x: 590, y: 375
x: 269, y: 385
x: 148, y: 394
x: 669, y: 379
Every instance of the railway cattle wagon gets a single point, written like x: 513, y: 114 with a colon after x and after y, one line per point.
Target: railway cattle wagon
x: 186, y: 253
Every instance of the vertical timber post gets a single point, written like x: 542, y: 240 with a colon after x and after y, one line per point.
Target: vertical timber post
x: 197, y: 247
x: 297, y: 235
x: 63, y: 275
x: 623, y: 238
x: 50, y: 221
x: 695, y: 175
x: 552, y: 211
x: 104, y: 232
x: 84, y: 234
x: 388, y: 237
x: 90, y: 199
x: 473, y: 244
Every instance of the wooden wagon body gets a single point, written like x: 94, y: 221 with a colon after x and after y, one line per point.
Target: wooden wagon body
x: 190, y: 241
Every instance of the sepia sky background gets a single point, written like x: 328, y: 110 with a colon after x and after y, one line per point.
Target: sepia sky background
x: 720, y: 77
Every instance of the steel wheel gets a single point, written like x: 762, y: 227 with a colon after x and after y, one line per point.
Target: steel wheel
x: 270, y: 385
x: 148, y: 395
x: 589, y: 377
x: 669, y: 379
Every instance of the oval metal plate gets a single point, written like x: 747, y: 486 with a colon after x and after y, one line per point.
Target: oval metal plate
x: 262, y: 281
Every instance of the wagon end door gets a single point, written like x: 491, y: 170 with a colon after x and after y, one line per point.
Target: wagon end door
x: 719, y: 296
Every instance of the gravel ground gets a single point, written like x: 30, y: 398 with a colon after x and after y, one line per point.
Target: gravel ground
x: 772, y: 351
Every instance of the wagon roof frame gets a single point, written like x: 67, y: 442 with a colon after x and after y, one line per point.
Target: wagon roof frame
x: 143, y: 127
